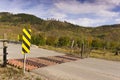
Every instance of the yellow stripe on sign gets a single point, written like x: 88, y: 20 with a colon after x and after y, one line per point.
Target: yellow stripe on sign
x: 25, y: 31
x: 24, y: 39
x: 29, y: 30
x: 26, y: 49
x: 23, y: 52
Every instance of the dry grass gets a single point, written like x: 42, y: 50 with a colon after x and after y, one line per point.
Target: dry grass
x: 12, y: 31
x: 104, y: 55
x: 63, y: 50
x: 11, y: 73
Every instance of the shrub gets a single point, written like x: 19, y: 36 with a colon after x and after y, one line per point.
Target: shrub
x: 38, y: 40
x: 51, y: 40
x: 64, y: 41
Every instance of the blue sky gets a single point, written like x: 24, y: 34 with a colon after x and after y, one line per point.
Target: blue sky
x: 80, y: 12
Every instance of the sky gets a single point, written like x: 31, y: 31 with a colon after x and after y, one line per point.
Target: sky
x: 88, y: 13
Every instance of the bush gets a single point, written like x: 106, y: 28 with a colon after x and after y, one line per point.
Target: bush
x: 96, y: 43
x: 79, y: 42
x: 38, y: 40
x: 51, y: 40
x: 64, y: 41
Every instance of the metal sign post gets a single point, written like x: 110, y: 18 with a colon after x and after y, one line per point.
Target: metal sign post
x: 26, y: 44
x: 24, y: 63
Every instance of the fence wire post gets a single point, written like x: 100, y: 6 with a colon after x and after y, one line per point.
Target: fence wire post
x: 4, y: 53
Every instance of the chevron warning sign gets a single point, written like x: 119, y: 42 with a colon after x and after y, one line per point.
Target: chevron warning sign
x: 26, y: 41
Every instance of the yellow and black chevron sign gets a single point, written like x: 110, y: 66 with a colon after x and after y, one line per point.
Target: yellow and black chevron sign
x: 26, y: 41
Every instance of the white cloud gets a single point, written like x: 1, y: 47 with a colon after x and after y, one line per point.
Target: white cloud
x: 56, y: 14
x: 87, y: 21
x: 109, y: 14
x: 117, y: 20
x: 98, y: 8
x: 113, y: 2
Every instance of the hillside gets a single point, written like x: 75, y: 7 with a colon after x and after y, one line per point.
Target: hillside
x: 50, y: 27
x: 12, y: 24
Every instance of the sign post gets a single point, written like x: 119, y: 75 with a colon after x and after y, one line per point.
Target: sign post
x: 24, y: 63
x: 26, y: 44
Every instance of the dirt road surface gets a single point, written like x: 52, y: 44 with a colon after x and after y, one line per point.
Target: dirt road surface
x: 82, y: 69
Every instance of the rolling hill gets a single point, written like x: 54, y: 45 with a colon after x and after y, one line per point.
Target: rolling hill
x: 12, y: 25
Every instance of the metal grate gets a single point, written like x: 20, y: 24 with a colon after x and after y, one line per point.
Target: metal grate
x: 38, y: 62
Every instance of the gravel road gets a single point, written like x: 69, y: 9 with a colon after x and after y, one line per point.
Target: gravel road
x: 83, y: 69
x: 14, y: 51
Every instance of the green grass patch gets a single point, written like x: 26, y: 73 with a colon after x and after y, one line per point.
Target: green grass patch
x: 104, y: 55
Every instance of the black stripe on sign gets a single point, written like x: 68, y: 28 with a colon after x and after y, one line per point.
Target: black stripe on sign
x: 24, y: 50
x: 26, y: 44
x: 28, y: 31
x: 26, y: 37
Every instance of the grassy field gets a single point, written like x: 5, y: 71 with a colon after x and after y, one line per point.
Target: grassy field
x: 101, y: 54
x: 63, y: 50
